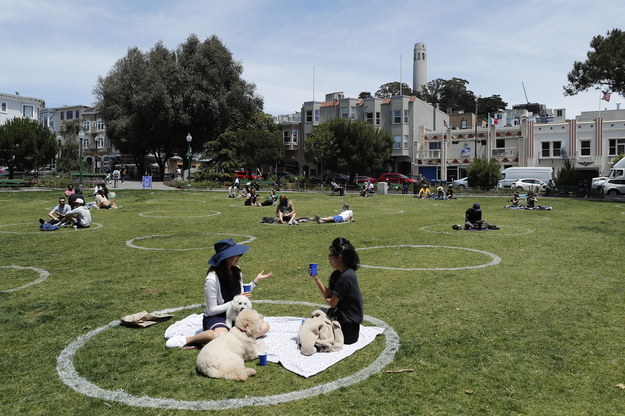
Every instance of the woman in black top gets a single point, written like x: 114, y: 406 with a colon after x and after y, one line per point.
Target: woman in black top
x: 343, y: 293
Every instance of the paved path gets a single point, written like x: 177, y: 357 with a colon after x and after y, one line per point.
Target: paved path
x: 139, y: 185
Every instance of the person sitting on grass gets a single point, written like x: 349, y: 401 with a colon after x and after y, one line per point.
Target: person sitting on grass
x: 101, y: 202
x: 285, y: 211
x: 345, y: 215
x: 473, y: 220
x: 79, y: 217
x: 450, y: 192
x: 424, y: 192
x: 515, y: 200
x: 58, y: 212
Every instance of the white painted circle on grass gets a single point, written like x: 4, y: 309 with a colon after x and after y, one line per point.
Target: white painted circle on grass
x: 522, y: 230
x: 495, y: 259
x: 131, y: 243
x: 178, y: 214
x: 166, y: 201
x: 68, y: 374
x: 43, y: 275
x: 384, y: 211
x: 94, y: 226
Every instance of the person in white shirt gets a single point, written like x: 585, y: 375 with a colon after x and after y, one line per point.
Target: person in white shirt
x: 58, y: 212
x: 80, y: 217
x: 345, y: 215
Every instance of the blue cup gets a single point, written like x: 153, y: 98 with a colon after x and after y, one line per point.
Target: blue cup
x: 247, y: 288
x: 313, y: 269
x: 262, y: 358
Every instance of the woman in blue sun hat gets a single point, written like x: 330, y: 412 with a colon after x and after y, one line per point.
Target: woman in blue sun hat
x: 223, y: 282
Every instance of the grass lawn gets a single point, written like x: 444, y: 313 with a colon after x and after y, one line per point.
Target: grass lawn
x: 538, y: 333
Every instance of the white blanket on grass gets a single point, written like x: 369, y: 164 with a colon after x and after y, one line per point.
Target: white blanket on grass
x: 282, y: 346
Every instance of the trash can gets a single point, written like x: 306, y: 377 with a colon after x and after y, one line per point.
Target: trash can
x: 382, y: 188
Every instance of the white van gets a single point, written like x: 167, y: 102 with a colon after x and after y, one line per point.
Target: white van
x: 615, y: 183
x: 511, y: 175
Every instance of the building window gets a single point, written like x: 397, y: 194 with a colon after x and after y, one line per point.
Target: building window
x: 99, y: 142
x: 500, y: 143
x: 77, y: 114
x: 370, y: 118
x: 616, y: 147
x: 397, y: 116
x: 27, y: 111
x: 406, y: 142
x: 551, y: 149
x: 85, y: 143
x: 62, y: 115
x: 316, y: 115
x: 70, y: 114
x: 287, y: 136
x: 308, y: 116
x: 344, y: 113
x: 3, y: 107
x: 463, y: 124
x: 45, y: 121
x: 100, y: 124
x: 397, y: 142
x: 294, y: 136
x: 406, y: 114
x: 435, y: 145
x: 377, y: 118
x: 584, y: 147
x: 559, y: 113
x: 85, y: 125
x: 51, y: 123
x: 352, y: 113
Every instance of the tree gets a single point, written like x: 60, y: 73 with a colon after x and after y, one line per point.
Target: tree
x: 603, y: 66
x: 482, y: 172
x: 391, y: 89
x: 69, y: 160
x: 365, y: 94
x: 350, y: 145
x: 25, y: 144
x: 567, y: 175
x: 321, y: 146
x: 150, y: 101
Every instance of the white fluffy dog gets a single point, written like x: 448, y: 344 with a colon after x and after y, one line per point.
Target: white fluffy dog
x: 239, y: 303
x: 225, y: 356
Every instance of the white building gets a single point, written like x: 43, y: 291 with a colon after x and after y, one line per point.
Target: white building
x: 15, y: 105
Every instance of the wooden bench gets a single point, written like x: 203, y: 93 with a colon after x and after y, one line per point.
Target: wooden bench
x: 12, y: 183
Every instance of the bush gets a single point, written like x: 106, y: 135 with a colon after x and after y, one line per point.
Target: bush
x: 484, y: 173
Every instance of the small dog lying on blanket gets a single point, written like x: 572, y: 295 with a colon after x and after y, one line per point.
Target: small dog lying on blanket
x: 320, y: 333
x: 225, y: 356
x: 239, y: 303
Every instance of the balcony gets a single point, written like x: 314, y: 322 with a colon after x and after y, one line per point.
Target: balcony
x: 427, y: 154
x: 506, y: 152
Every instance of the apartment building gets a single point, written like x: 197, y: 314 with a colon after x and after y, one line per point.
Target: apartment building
x: 16, y: 105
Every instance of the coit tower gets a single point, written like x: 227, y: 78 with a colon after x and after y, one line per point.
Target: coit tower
x: 419, y: 67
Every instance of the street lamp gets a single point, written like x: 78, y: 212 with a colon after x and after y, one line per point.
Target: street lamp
x: 81, y: 137
x: 189, y: 156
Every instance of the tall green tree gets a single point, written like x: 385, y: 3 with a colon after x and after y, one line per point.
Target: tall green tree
x: 25, y: 144
x: 391, y: 89
x: 69, y: 159
x: 603, y: 67
x: 350, y: 145
x: 483, y: 172
x: 150, y: 101
x: 453, y: 95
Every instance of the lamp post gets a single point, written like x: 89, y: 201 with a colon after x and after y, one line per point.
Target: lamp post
x: 81, y: 137
x: 189, y: 156
x: 475, y: 137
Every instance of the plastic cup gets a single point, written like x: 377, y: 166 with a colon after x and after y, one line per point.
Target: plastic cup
x: 247, y: 288
x: 313, y: 269
x: 262, y: 358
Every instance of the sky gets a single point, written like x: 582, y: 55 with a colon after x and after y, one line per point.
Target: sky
x: 297, y: 51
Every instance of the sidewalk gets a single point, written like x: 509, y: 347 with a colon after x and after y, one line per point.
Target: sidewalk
x: 133, y: 184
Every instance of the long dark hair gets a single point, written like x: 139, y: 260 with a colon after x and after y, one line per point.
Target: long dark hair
x: 342, y: 247
x: 229, y: 280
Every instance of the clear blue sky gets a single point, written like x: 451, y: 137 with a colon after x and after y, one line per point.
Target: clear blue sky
x: 55, y: 50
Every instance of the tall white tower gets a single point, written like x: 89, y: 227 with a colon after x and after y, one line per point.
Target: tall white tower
x: 419, y: 67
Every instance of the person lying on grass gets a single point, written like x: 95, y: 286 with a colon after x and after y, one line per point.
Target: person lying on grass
x: 345, y: 215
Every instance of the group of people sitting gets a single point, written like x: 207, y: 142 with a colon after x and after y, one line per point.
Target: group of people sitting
x: 286, y: 214
x: 531, y: 203
x: 367, y: 188
x: 440, y: 193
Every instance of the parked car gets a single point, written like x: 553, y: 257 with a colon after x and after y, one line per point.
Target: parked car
x: 245, y: 175
x: 363, y: 179
x: 529, y: 184
x: 461, y: 183
x: 614, y: 187
x: 336, y: 177
x: 598, y: 181
x: 395, y: 178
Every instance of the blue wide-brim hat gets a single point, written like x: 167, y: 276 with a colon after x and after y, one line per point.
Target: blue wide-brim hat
x: 226, y: 248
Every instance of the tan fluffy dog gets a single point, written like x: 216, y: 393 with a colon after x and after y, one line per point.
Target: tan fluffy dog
x: 225, y: 357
